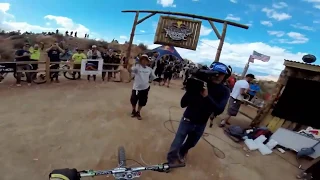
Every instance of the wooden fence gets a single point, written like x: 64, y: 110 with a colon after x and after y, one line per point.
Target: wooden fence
x: 47, y: 69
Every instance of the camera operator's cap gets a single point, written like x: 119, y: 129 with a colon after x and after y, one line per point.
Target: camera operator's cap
x: 144, y: 56
x: 219, y: 67
x: 250, y: 76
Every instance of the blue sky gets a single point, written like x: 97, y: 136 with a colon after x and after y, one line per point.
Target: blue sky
x: 281, y: 29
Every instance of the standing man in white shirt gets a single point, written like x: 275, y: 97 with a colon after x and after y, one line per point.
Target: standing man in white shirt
x: 239, y: 90
x: 143, y: 75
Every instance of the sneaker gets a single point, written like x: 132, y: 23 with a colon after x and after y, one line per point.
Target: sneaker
x: 138, y: 115
x: 18, y: 85
x: 29, y: 84
x: 183, y: 159
x: 133, y: 113
x: 222, y: 123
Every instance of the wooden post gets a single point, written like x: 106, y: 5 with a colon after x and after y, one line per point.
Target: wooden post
x: 48, y: 78
x: 223, y: 35
x: 277, y: 90
x: 215, y: 29
x: 131, y: 38
x: 245, y: 70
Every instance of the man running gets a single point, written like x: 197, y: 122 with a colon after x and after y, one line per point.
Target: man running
x: 142, y: 74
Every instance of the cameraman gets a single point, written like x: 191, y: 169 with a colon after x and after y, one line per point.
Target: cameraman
x: 199, y: 106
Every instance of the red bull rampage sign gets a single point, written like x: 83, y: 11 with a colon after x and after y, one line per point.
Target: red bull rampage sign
x: 178, y: 32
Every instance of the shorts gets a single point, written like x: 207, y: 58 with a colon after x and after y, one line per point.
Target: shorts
x: 234, y: 106
x: 140, y: 97
x: 167, y: 76
x: 77, y: 66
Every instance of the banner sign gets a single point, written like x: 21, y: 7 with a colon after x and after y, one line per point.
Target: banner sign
x: 91, y: 66
x: 7, y: 67
x: 178, y: 32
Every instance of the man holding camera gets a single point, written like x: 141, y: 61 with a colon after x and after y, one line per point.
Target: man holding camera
x: 209, y: 97
x: 238, y: 93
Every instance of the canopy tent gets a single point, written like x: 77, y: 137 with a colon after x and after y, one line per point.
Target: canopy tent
x: 167, y: 50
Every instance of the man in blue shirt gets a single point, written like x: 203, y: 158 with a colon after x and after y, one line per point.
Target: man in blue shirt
x: 254, y: 88
x: 199, y: 107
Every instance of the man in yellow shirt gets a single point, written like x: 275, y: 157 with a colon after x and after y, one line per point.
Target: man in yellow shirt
x: 77, y: 59
x: 35, y: 55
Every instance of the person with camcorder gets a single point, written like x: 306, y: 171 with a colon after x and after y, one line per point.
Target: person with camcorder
x: 205, y: 94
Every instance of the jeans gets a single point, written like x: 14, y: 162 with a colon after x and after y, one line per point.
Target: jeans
x: 19, y: 74
x: 187, y: 137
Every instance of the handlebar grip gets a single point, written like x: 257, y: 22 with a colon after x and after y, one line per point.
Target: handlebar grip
x: 177, y: 165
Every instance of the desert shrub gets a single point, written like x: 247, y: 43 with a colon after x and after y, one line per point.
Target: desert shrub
x: 58, y: 37
x: 143, y: 47
x: 18, y: 43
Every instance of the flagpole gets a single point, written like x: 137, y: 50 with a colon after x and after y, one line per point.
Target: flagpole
x: 245, y: 69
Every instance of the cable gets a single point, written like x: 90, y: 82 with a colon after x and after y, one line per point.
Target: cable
x: 215, y: 149
x: 218, y: 152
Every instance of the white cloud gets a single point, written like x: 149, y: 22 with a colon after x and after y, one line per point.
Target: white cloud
x: 8, y: 23
x: 271, y: 13
x: 250, y: 23
x: 266, y: 23
x: 292, y: 37
x: 232, y: 17
x: 142, y: 31
x: 279, y: 5
x: 316, y: 22
x: 204, y: 31
x: 124, y: 37
x: 276, y: 33
x: 237, y: 55
x: 233, y: 1
x: 316, y: 3
x: 303, y: 27
x: 166, y: 3
x: 297, y: 38
x: 195, y: 0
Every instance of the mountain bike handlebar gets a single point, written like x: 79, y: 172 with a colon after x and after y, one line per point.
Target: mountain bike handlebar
x: 128, y: 173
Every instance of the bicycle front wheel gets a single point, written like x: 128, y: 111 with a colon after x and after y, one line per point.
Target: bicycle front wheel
x: 71, y: 75
x: 122, y: 157
x: 39, y: 78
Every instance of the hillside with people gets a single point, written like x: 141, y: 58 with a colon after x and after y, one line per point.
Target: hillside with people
x: 13, y: 40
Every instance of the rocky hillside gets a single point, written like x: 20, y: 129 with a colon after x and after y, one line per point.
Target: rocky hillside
x: 10, y: 41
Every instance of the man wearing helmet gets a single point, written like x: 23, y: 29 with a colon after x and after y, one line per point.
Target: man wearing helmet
x: 212, y: 99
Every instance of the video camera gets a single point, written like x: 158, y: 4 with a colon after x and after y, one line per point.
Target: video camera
x: 201, y: 76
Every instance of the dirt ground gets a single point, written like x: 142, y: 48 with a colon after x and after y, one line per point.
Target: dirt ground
x: 81, y: 124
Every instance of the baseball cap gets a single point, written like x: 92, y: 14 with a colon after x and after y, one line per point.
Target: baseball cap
x: 250, y: 76
x: 94, y: 46
x: 219, y: 67
x: 144, y: 56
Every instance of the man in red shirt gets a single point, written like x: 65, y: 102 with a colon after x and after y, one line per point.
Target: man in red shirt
x: 231, y: 81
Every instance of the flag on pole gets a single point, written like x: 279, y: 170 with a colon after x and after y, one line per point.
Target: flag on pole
x: 259, y: 56
x: 251, y: 59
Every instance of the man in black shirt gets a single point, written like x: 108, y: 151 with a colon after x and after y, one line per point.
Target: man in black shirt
x: 199, y: 107
x: 23, y: 54
x: 54, y: 55
x: 167, y: 74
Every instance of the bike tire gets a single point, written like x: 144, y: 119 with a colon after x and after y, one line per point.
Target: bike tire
x: 39, y: 78
x: 122, y: 157
x: 70, y: 76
